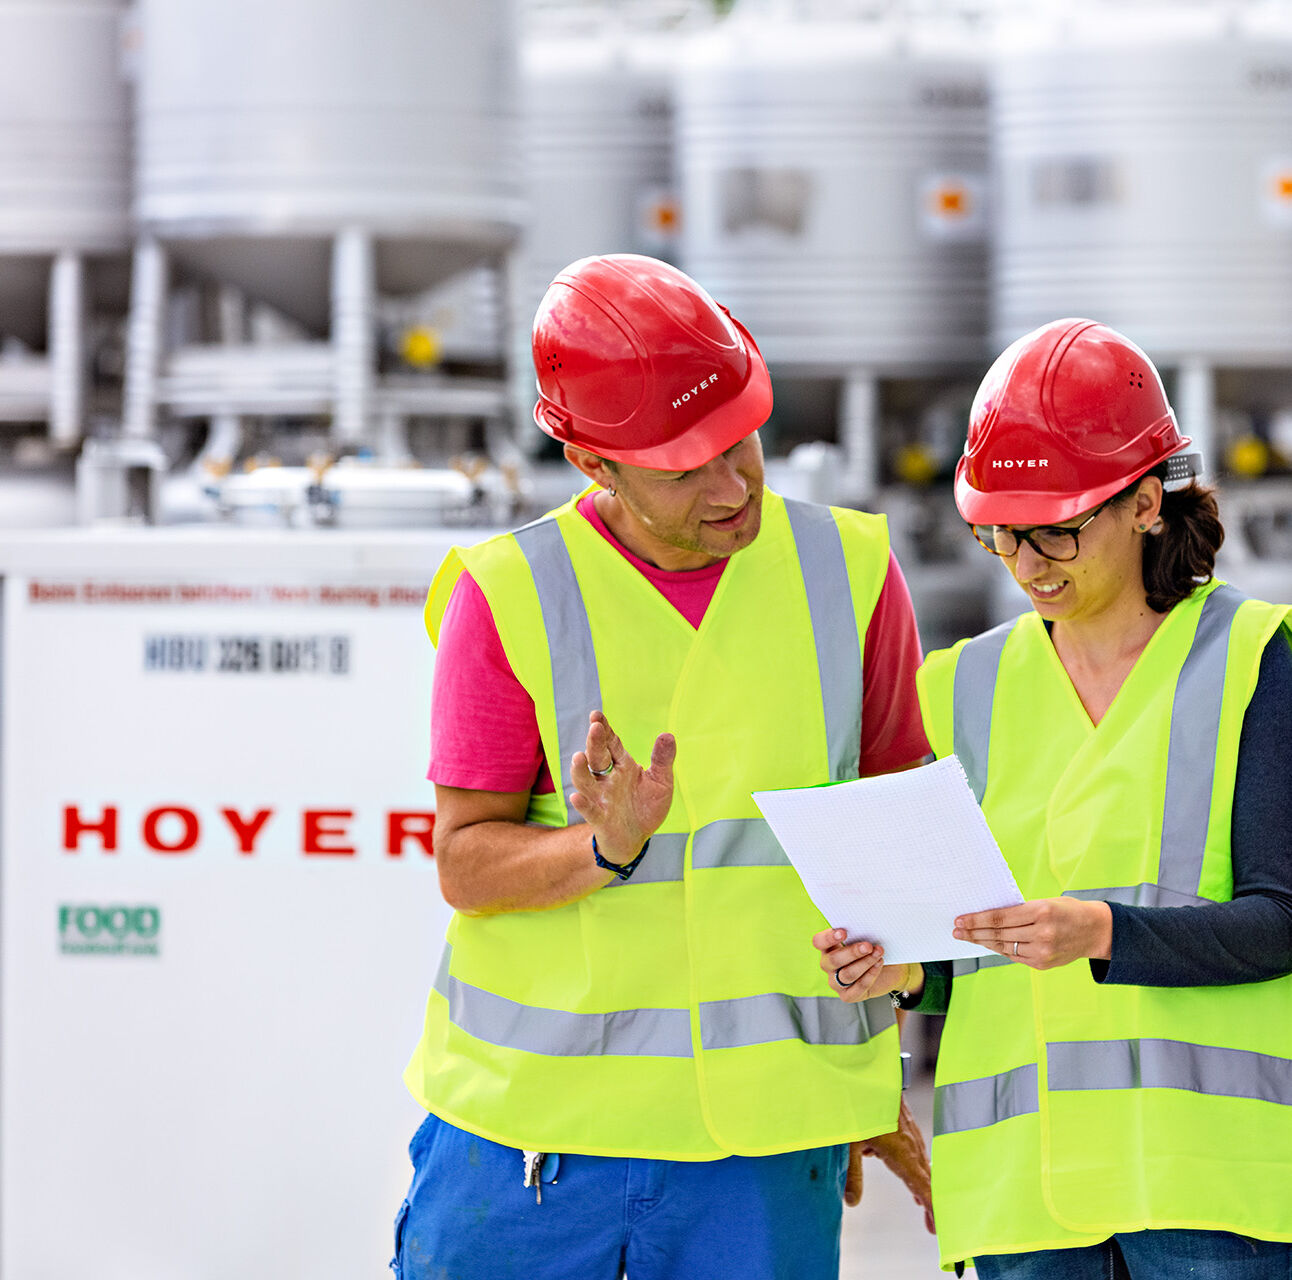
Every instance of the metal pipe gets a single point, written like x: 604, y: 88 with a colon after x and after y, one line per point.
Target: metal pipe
x: 392, y: 439
x: 224, y: 436
x: 222, y: 445
x: 859, y: 434
x: 353, y: 339
x: 67, y: 349
x: 1196, y: 395
x: 230, y: 315
x: 148, y: 284
x: 518, y: 321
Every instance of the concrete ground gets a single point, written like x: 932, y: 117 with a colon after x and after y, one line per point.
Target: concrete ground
x: 884, y: 1237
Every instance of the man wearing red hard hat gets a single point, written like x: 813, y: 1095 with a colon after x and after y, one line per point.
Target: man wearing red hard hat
x: 628, y: 1060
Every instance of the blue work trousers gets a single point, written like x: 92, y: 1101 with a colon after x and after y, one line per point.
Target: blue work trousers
x: 468, y: 1216
x: 1149, y: 1255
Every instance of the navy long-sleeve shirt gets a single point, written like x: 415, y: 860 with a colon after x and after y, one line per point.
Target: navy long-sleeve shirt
x: 1217, y: 944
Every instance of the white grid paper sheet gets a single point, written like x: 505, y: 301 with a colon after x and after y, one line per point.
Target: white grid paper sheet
x: 895, y: 858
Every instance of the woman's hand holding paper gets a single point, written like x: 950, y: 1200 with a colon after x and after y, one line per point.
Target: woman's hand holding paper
x: 1043, y: 933
x: 856, y: 970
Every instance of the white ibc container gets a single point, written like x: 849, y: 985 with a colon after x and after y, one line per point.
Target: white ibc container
x: 598, y: 116
x: 265, y: 129
x: 1144, y: 177
x: 833, y: 186
x: 64, y: 147
x: 64, y: 127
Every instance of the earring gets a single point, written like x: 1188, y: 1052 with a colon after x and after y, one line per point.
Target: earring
x: 610, y: 491
x: 1143, y: 528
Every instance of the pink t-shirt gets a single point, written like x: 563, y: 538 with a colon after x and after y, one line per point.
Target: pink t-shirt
x: 484, y: 732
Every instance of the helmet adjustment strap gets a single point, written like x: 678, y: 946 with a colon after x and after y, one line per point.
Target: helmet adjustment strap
x: 1182, y: 466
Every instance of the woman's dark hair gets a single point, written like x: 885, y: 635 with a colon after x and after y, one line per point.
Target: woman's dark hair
x: 1183, y: 555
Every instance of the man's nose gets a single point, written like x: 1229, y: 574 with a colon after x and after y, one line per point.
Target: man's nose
x: 727, y: 486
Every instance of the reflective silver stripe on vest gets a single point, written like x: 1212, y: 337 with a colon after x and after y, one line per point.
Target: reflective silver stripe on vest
x: 736, y: 842
x: 972, y: 696
x: 975, y: 1104
x: 1191, y: 765
x: 961, y: 968
x: 834, y: 627
x: 1191, y: 757
x: 654, y: 1033
x: 1191, y: 753
x: 732, y: 1024
x: 1138, y: 895
x: 730, y: 842
x: 575, y: 683
x: 1169, y: 1064
x: 662, y: 864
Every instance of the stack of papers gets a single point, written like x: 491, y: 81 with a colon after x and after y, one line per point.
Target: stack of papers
x: 895, y: 859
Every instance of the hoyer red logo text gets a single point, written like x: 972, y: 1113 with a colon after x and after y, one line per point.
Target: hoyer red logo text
x: 173, y: 829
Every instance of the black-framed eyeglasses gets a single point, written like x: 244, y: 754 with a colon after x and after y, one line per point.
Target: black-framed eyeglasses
x: 1053, y: 541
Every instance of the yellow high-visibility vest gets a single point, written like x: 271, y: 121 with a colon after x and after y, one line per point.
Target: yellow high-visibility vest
x: 680, y: 1014
x: 1067, y: 1110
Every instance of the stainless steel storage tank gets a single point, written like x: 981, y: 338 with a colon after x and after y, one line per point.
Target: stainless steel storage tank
x: 596, y: 90
x: 64, y: 197
x: 264, y: 129
x: 598, y: 146
x: 832, y: 178
x: 1144, y: 177
x: 316, y: 155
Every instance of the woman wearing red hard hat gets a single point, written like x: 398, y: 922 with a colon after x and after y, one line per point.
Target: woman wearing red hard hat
x: 1114, y: 1089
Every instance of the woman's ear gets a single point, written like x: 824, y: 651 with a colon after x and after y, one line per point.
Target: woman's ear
x: 1148, y: 502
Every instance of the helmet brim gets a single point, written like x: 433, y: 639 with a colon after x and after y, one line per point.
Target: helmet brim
x: 1028, y: 507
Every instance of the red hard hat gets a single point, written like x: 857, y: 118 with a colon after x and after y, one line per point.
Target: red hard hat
x: 1067, y: 416
x: 635, y: 362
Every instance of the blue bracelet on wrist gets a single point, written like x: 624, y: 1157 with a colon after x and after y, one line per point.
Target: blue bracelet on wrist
x: 624, y: 871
